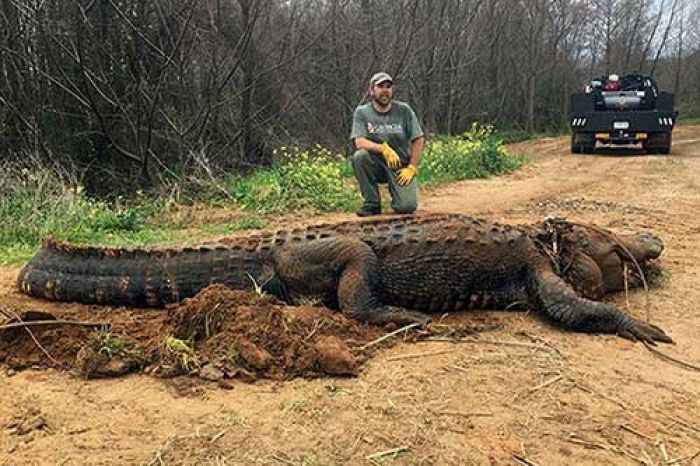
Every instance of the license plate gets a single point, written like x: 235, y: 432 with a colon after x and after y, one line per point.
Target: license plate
x: 621, y: 124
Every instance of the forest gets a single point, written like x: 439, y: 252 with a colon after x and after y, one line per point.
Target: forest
x: 131, y: 93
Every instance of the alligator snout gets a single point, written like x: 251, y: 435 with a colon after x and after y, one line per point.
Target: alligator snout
x: 646, y: 246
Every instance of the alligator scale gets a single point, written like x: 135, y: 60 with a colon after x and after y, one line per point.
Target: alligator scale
x: 382, y: 270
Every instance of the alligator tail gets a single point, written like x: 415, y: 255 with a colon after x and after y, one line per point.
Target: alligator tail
x: 62, y: 271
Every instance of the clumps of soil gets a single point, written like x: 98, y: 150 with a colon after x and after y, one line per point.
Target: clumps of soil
x: 217, y: 335
x: 239, y: 334
x: 26, y: 422
x: 107, y: 355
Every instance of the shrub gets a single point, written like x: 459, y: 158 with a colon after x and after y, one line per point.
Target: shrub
x: 477, y: 153
x: 300, y: 179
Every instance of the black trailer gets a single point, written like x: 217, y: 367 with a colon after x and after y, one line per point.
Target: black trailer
x: 635, y: 113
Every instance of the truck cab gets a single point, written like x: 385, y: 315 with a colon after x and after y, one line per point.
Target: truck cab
x: 636, y: 112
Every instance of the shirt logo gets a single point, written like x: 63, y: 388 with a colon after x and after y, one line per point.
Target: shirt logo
x: 387, y: 128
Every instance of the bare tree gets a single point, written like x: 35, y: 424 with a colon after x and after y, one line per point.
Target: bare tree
x: 128, y: 90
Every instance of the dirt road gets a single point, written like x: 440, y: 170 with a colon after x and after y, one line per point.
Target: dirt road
x: 529, y: 393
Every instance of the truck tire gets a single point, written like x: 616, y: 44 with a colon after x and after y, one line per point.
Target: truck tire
x: 582, y: 143
x: 575, y: 148
x: 665, y: 148
x: 658, y: 143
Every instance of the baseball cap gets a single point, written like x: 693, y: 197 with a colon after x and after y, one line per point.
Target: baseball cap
x: 380, y: 78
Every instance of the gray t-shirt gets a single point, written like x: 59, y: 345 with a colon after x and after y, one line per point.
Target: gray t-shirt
x: 399, y: 126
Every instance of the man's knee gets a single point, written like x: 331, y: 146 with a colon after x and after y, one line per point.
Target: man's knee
x: 361, y: 157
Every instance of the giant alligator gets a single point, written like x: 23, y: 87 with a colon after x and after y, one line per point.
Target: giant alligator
x: 382, y: 270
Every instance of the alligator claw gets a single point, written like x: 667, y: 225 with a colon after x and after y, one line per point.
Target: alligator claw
x: 637, y: 330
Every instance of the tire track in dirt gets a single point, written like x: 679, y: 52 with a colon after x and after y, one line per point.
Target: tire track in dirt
x: 546, y: 176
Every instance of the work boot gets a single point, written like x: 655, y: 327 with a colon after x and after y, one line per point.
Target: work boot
x: 365, y: 211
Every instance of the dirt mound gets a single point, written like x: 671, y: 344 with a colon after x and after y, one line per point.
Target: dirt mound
x: 219, y: 334
x: 239, y: 334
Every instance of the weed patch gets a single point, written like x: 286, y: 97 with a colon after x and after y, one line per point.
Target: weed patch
x: 36, y: 202
x: 177, y: 357
x: 477, y: 153
x: 313, y: 180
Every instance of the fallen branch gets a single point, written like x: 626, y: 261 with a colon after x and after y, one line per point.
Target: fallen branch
x: 465, y: 414
x: 687, y: 458
x: 681, y: 422
x: 670, y: 358
x: 662, y: 449
x: 634, y: 431
x: 282, y: 460
x: 591, y: 444
x: 218, y: 436
x: 45, y: 323
x: 546, y: 383
x: 31, y: 335
x: 604, y: 446
x: 595, y: 392
x: 524, y: 461
x: 545, y: 342
x: 382, y: 454
x: 389, y: 335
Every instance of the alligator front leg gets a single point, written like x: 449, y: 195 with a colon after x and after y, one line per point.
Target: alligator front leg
x: 346, y: 266
x: 557, y: 299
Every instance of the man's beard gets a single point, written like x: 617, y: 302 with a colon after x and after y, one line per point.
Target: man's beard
x: 383, y: 100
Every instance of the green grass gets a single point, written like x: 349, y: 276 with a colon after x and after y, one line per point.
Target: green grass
x: 228, y: 228
x: 32, y: 213
x: 35, y: 204
x: 168, y: 234
x: 689, y: 120
x: 114, y: 346
x: 509, y: 136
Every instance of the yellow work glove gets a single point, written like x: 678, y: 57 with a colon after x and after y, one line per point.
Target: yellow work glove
x: 392, y: 159
x: 405, y: 175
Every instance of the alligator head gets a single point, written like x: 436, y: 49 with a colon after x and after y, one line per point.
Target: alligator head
x: 595, y: 261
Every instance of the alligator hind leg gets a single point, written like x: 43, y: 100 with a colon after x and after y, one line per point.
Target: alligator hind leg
x: 346, y: 266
